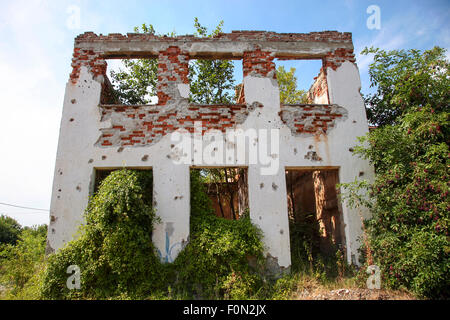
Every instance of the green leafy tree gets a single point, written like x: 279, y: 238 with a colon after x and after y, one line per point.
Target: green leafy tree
x: 22, y: 263
x: 211, y: 80
x: 9, y: 230
x: 136, y: 83
x: 287, y: 81
x: 406, y: 80
x: 408, y: 233
x: 114, y: 251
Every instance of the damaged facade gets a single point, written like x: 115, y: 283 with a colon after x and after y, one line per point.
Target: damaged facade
x: 97, y: 133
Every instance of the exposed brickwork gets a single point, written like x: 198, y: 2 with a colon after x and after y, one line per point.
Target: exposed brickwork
x: 240, y: 93
x: 173, y: 69
x: 336, y: 57
x: 318, y: 93
x: 324, y: 36
x: 90, y: 59
x: 312, y: 119
x: 258, y: 63
x: 146, y: 125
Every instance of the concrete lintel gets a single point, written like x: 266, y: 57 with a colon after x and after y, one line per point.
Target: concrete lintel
x: 117, y: 49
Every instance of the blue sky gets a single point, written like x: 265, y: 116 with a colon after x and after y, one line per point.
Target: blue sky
x: 36, y: 43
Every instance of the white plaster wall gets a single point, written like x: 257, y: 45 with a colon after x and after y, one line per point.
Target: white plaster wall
x: 267, y: 193
x: 77, y: 159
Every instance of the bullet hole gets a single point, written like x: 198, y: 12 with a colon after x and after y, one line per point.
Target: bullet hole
x: 78, y: 188
x: 260, y: 218
x: 71, y: 119
x: 52, y: 219
x: 350, y: 149
x: 281, y: 231
x: 295, y: 150
x: 53, y: 231
x: 168, y: 156
x: 310, y: 146
x: 361, y: 173
x: 103, y: 157
x: 274, y: 186
x: 313, y: 156
x: 175, y: 198
x: 354, y: 121
x: 59, y: 190
x: 58, y: 197
x: 145, y: 158
x: 91, y: 160
x: 261, y: 185
x: 73, y: 101
x: 60, y: 173
x: 120, y: 149
x: 172, y: 145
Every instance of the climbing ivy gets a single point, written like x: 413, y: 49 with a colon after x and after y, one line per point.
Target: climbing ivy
x: 117, y: 259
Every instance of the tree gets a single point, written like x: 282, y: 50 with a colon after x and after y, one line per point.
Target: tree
x: 405, y: 80
x: 211, y: 80
x: 22, y: 263
x: 137, y: 82
x: 9, y: 230
x: 287, y: 81
x: 408, y: 232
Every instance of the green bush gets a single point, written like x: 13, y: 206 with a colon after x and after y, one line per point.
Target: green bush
x: 408, y: 232
x: 215, y: 263
x: 9, y: 230
x: 22, y: 264
x: 114, y: 250
x: 117, y: 259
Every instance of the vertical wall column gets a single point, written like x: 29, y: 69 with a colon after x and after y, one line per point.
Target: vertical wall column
x: 173, y: 81
x: 171, y: 187
x: 267, y: 187
x: 344, y: 89
x: 74, y: 173
x: 171, y: 196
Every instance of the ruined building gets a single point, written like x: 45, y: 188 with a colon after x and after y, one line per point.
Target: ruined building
x: 311, y: 141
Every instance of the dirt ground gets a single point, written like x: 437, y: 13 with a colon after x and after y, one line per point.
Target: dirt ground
x: 353, y: 294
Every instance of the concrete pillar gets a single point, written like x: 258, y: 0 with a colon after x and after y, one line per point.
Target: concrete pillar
x: 267, y: 186
x: 74, y: 174
x: 344, y: 89
x: 171, y: 195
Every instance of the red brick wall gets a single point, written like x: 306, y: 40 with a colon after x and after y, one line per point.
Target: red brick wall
x: 151, y: 123
x: 90, y: 59
x: 258, y: 63
x: 312, y: 119
x: 173, y: 68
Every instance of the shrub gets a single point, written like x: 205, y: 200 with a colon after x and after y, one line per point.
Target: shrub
x: 215, y: 263
x: 114, y: 250
x: 117, y: 259
x: 9, y: 230
x: 22, y: 264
